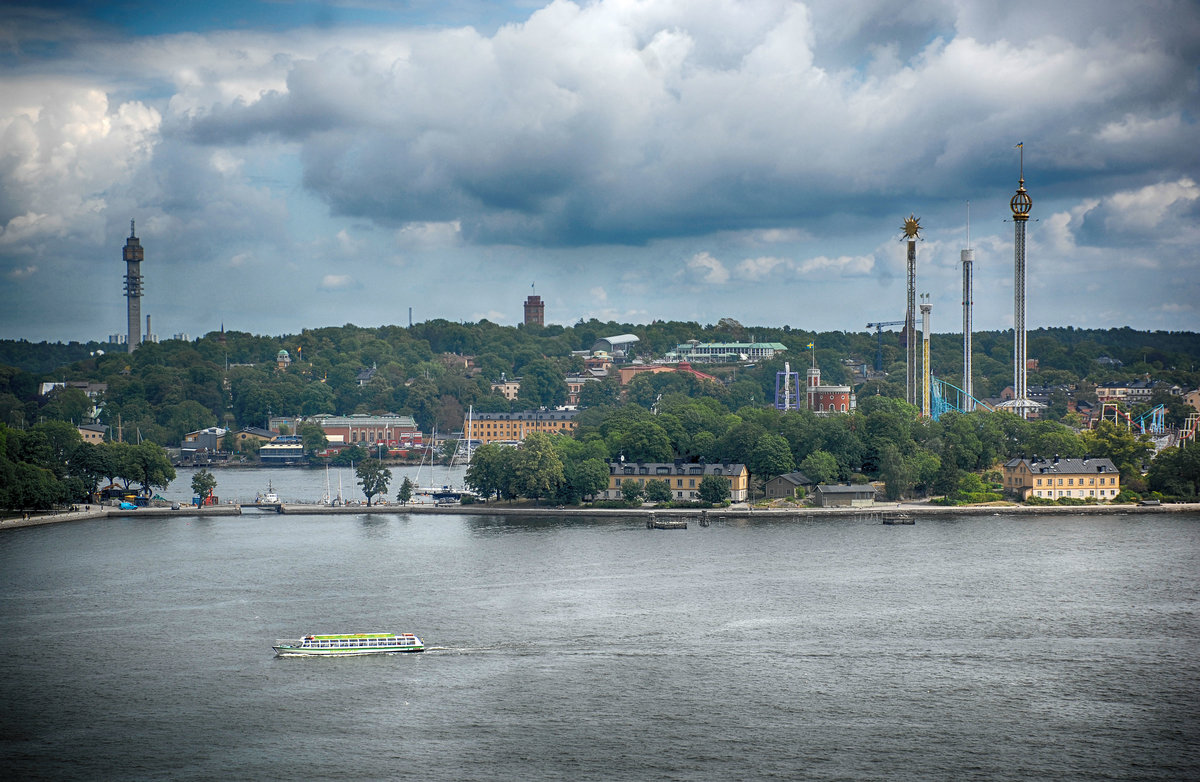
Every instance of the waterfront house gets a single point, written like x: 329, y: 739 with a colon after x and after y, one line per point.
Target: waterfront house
x: 683, y: 478
x: 1055, y: 478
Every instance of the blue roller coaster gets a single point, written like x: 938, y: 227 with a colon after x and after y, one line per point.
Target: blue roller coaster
x: 946, y: 397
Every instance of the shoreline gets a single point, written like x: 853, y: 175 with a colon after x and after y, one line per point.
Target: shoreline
x: 915, y: 510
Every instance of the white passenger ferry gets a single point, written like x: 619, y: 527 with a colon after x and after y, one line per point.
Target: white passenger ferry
x: 348, y: 644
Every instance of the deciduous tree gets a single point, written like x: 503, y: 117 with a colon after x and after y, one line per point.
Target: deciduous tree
x: 713, y: 490
x: 203, y: 484
x: 373, y: 477
x: 537, y: 469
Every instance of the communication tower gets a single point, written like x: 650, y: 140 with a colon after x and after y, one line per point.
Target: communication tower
x: 133, y: 288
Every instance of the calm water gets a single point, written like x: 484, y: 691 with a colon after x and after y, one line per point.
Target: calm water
x: 981, y: 648
x: 299, y: 485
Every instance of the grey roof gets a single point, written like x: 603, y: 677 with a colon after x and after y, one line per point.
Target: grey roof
x: 1065, y: 466
x: 528, y: 415
x: 841, y: 488
x: 795, y: 478
x: 675, y: 468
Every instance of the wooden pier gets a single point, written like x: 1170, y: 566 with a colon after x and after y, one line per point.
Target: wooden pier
x: 885, y: 517
x: 653, y: 522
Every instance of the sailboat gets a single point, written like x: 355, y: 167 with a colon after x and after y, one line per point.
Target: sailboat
x: 326, y: 499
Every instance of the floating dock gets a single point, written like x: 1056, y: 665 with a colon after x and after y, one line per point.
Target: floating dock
x: 652, y: 522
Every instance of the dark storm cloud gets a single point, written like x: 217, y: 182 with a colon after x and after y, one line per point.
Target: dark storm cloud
x: 605, y: 125
x: 722, y: 145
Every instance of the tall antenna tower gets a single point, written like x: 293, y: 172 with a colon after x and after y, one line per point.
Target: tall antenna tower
x: 968, y: 303
x: 912, y: 232
x: 133, y: 288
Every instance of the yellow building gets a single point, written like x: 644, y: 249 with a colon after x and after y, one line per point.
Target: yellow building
x: 507, y: 388
x: 512, y: 427
x: 683, y: 478
x: 1054, y: 478
x: 92, y: 433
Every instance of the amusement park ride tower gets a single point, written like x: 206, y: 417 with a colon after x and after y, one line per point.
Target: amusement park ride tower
x: 968, y: 261
x: 912, y: 232
x: 1021, y: 204
x: 926, y: 377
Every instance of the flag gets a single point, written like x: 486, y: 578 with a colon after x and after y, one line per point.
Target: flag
x: 1019, y: 145
x: 809, y: 346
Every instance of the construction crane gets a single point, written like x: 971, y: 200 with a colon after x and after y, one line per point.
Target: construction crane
x: 879, y: 340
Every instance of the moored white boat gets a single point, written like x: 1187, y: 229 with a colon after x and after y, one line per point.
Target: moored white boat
x: 348, y: 644
x: 268, y: 497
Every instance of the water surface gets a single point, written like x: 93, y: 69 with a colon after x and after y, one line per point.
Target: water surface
x: 982, y: 647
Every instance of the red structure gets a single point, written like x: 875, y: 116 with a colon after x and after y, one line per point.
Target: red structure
x: 828, y: 399
x: 535, y: 311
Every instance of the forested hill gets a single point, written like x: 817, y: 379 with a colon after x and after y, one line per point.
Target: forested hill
x: 1064, y: 348
x: 231, y: 379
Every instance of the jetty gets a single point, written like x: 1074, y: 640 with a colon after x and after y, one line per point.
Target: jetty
x: 653, y: 521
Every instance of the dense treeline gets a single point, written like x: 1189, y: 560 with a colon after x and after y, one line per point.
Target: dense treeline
x: 48, y: 464
x: 164, y: 390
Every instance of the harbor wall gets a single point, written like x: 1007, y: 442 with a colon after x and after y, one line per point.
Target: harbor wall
x: 917, y: 511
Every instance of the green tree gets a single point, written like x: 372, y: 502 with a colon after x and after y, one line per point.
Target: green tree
x: 58, y: 439
x: 895, y: 472
x: 542, y: 384
x: 26, y: 486
x: 713, y: 489
x: 349, y: 456
x: 632, y: 491
x: 1176, y: 471
x: 145, y: 464
x: 89, y: 464
x: 67, y: 404
x: 583, y: 478
x: 658, y: 491
x: 1128, y: 451
x: 313, y: 437
x: 203, y: 485
x: 490, y: 473
x: 820, y: 467
x: 373, y: 477
x: 537, y: 469
x: 645, y: 441
x: 770, y: 458
x: 405, y: 493
x: 601, y: 393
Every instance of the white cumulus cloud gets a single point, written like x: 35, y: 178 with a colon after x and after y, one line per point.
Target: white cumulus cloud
x: 710, y: 269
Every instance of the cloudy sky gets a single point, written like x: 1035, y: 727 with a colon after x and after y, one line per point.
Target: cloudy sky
x: 299, y: 164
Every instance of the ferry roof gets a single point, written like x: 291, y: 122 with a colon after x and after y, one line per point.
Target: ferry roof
x: 359, y: 635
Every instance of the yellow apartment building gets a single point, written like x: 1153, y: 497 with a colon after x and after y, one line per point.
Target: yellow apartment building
x: 486, y: 428
x: 683, y: 478
x: 1055, y: 478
